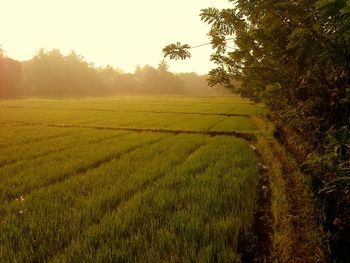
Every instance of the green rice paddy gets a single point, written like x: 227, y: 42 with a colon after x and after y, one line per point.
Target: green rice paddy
x: 82, y: 181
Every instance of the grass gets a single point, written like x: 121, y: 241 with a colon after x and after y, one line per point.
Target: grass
x: 135, y: 112
x: 296, y: 234
x: 88, y: 195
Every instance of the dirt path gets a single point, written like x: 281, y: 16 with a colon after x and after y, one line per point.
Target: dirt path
x: 294, y: 233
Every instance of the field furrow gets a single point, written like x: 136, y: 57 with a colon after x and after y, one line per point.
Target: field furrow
x: 44, y: 171
x: 99, y: 191
x: 198, y: 113
x: 248, y: 135
x: 126, y: 179
x: 17, y: 135
x: 198, y: 202
x: 77, y: 137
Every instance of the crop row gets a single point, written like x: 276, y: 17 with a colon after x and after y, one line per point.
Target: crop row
x: 137, y: 120
x: 26, y: 175
x: 73, y: 194
x: 135, y: 104
x: 54, y: 215
x: 198, y: 212
x: 184, y: 190
x: 38, y: 145
x: 172, y: 113
x: 12, y: 135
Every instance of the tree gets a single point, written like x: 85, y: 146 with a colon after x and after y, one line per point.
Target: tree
x: 295, y: 57
x: 292, y: 55
x: 289, y: 54
x: 50, y: 73
x: 163, y: 67
x: 10, y: 76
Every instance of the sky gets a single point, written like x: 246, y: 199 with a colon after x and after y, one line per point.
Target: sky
x: 120, y: 33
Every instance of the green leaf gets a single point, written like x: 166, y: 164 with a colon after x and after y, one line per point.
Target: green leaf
x: 177, y: 51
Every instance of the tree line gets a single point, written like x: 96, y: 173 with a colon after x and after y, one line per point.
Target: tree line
x: 52, y: 74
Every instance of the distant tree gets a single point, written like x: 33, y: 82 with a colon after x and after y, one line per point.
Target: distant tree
x: 198, y: 85
x: 170, y: 83
x: 163, y: 67
x: 10, y: 76
x: 112, y: 79
x: 50, y: 73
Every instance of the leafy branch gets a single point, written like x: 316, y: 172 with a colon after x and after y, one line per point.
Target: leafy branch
x: 177, y: 51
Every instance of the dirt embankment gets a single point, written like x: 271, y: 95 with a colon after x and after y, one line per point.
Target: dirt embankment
x: 288, y: 218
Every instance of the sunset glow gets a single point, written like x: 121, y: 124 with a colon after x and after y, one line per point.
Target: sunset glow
x: 120, y: 33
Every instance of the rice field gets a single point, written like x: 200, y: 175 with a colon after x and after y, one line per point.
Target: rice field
x: 123, y: 179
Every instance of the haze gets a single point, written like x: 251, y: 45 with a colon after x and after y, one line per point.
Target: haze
x: 119, y: 33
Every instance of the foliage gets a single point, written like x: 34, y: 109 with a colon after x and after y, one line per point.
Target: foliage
x: 340, y: 141
x: 52, y: 74
x: 295, y: 57
x: 10, y: 76
x: 177, y: 51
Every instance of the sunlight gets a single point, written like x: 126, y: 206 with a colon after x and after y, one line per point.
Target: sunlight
x: 120, y: 33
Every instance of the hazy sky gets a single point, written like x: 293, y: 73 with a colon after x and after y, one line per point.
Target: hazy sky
x: 122, y: 33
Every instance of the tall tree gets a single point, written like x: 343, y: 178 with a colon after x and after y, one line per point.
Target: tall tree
x: 295, y: 57
x: 289, y: 54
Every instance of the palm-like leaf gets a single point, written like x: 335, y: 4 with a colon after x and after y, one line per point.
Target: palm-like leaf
x: 177, y: 51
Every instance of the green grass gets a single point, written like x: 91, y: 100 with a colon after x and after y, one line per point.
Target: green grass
x: 90, y: 195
